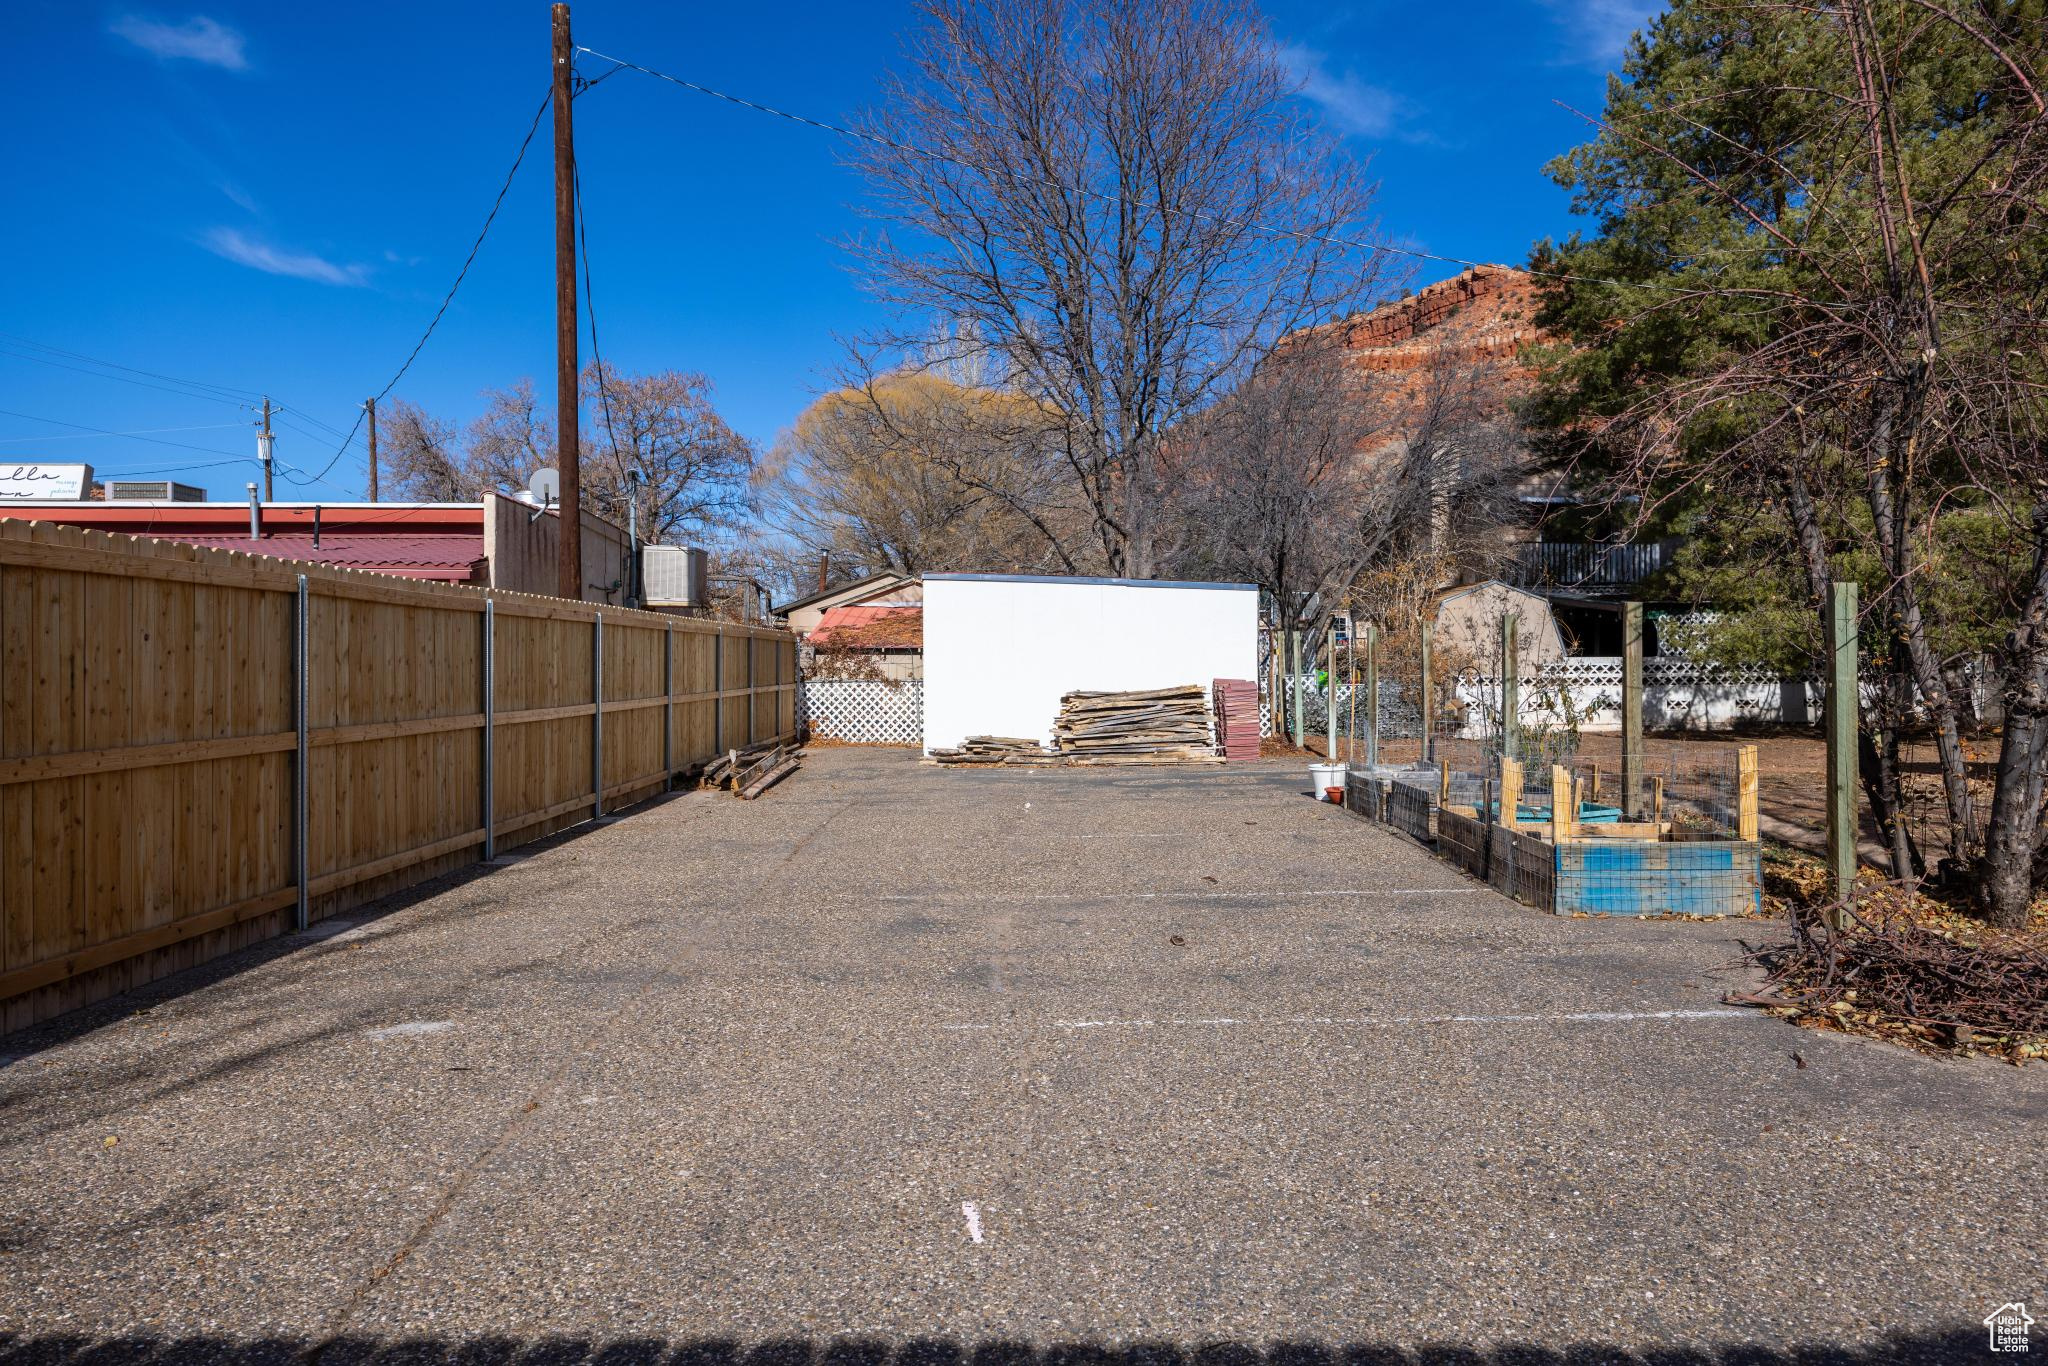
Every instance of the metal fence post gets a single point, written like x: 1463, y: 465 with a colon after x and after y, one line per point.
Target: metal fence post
x: 668, y: 707
x: 597, y: 716
x: 490, y: 700
x: 1330, y: 706
x: 1631, y: 711
x: 1294, y: 687
x: 1372, y: 694
x: 302, y: 859
x: 1841, y: 722
x: 1427, y: 628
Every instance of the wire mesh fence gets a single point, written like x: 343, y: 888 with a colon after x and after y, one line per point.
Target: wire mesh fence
x: 1694, y: 789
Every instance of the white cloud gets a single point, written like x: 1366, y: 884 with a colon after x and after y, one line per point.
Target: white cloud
x: 1596, y: 32
x: 247, y: 251
x: 1352, y: 104
x: 198, y: 39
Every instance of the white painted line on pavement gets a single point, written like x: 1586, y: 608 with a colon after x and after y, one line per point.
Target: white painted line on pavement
x: 1579, y: 1017
x: 973, y: 1217
x: 410, y: 1028
x: 1278, y: 894
x: 1131, y: 835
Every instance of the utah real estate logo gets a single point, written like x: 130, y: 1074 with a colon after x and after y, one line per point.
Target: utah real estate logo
x: 2008, y: 1324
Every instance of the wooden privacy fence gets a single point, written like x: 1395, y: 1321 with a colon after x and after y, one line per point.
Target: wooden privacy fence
x: 200, y: 749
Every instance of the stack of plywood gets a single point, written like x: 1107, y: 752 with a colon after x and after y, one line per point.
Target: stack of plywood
x: 1006, y: 750
x: 1155, y: 726
x: 1237, y: 718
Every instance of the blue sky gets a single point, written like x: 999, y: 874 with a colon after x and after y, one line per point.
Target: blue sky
x: 273, y: 199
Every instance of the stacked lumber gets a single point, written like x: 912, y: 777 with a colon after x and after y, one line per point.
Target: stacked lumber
x: 1237, y: 718
x: 1153, y: 726
x: 999, y: 750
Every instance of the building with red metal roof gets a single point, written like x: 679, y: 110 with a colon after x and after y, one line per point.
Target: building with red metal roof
x: 498, y: 541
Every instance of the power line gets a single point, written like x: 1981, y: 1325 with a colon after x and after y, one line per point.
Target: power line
x: 284, y: 415
x: 303, y: 416
x: 199, y: 392
x: 225, y: 389
x: 123, y: 379
x: 229, y: 457
x: 449, y: 298
x: 590, y: 302
x: 146, y: 431
x: 131, y: 436
x: 1331, y: 239
x: 165, y: 469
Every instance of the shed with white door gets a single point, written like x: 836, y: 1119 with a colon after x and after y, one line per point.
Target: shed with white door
x: 1001, y: 649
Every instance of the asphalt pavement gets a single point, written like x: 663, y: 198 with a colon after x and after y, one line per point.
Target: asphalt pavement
x: 989, y: 1068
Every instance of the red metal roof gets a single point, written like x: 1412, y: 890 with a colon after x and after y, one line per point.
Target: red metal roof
x: 448, y: 558
x: 181, y: 521
x: 439, y: 541
x: 870, y: 628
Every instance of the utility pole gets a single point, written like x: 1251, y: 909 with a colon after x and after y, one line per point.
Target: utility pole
x: 568, y: 444
x: 370, y: 407
x: 264, y: 443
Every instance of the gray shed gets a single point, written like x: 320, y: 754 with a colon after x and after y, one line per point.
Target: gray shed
x: 1468, y: 622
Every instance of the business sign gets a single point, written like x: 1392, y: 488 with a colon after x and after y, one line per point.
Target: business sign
x: 40, y: 483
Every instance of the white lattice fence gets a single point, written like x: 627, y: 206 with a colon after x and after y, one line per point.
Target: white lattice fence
x: 864, y: 711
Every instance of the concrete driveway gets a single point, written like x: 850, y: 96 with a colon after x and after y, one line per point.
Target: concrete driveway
x: 965, y: 1068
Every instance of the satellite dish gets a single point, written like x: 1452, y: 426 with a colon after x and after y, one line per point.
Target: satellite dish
x: 545, y: 486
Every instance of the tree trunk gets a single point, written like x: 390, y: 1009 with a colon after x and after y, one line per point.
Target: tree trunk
x: 1911, y: 629
x: 2005, y: 871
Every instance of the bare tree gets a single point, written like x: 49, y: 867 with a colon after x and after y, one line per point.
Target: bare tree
x: 1117, y: 208
x: 423, y: 455
x: 1315, y: 473
x: 914, y: 472
x: 698, y: 470
x: 511, y: 440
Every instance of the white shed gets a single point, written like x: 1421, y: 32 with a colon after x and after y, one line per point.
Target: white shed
x: 1000, y: 649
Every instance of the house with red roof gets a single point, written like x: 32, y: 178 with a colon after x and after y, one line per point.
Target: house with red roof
x: 872, y: 627
x: 498, y: 541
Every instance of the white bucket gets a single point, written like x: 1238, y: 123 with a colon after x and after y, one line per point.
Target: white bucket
x: 1325, y: 776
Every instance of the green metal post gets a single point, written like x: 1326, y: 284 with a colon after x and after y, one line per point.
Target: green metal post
x: 1372, y: 694
x: 1631, y: 711
x: 1841, y: 724
x: 1428, y: 695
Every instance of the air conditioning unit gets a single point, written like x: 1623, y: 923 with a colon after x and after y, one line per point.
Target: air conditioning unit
x: 674, y: 576
x: 158, y: 490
